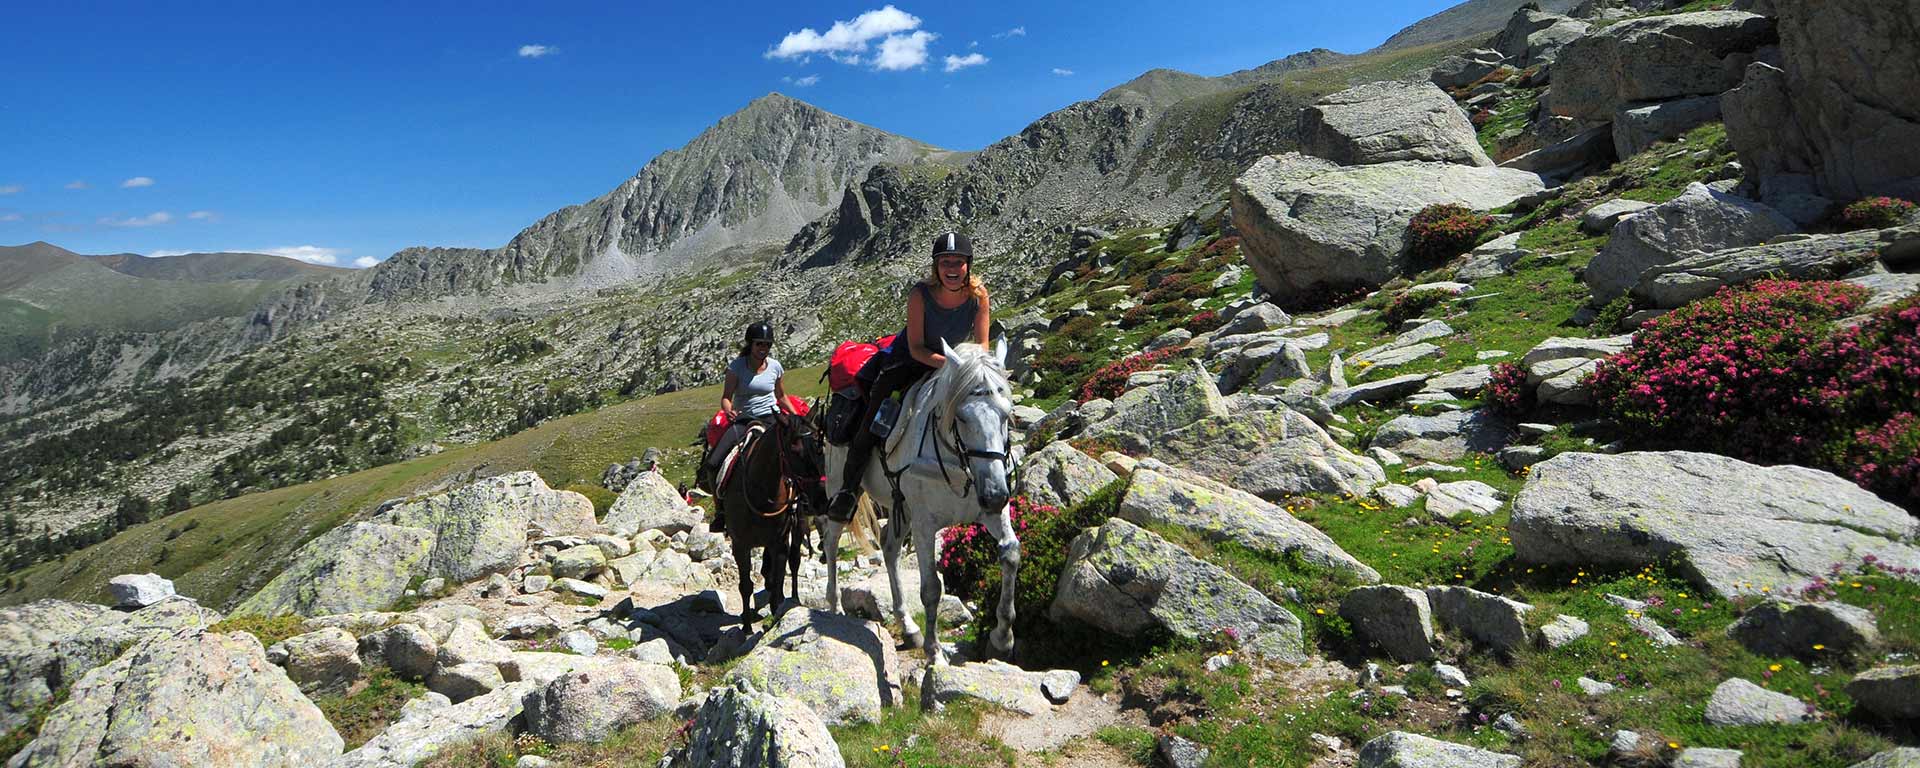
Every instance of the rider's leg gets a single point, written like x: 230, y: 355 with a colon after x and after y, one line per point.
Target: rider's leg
x: 894, y: 378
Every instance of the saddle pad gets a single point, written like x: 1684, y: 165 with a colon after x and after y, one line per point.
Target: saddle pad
x: 912, y: 405
x: 739, y: 449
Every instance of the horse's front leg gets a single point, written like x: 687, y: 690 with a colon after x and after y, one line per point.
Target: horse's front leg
x: 1001, y: 528
x: 890, y: 542
x: 830, y: 555
x: 925, y: 546
x: 773, y: 561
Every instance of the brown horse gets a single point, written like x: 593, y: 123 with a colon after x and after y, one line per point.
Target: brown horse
x: 775, y: 482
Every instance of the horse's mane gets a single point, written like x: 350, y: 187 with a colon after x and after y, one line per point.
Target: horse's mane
x: 970, y: 367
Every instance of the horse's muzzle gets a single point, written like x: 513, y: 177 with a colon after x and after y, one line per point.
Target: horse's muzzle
x: 993, y: 502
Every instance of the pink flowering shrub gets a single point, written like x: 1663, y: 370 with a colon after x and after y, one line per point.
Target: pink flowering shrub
x: 969, y: 557
x: 1111, y: 380
x: 1872, y: 394
x: 1441, y: 232
x: 1507, y: 393
x: 1205, y: 321
x: 1730, y: 373
x: 1876, y: 213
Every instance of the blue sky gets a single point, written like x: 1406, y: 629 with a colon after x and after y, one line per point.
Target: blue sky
x: 341, y: 132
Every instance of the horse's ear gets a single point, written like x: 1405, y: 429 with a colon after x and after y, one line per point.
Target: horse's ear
x: 946, y: 351
x: 1000, y: 351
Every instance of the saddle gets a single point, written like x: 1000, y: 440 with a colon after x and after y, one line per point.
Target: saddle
x: 725, y: 472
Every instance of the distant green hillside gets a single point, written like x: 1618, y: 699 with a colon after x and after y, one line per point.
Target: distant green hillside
x: 219, y: 552
x: 214, y: 267
x: 46, y: 290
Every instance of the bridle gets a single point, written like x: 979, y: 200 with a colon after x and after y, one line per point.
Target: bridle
x: 961, y: 448
x: 793, y: 486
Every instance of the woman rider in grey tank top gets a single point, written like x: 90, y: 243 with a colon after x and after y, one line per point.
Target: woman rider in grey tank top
x: 916, y: 351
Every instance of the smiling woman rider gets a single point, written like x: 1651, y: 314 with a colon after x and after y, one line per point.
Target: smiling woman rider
x: 950, y: 305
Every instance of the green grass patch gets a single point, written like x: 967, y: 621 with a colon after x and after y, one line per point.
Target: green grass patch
x: 367, y: 710
x: 267, y: 630
x: 907, y: 736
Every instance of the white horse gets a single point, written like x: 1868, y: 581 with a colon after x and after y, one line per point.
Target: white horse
x: 949, y: 456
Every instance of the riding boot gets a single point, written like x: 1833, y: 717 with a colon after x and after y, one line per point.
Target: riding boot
x: 719, y: 524
x: 858, y: 453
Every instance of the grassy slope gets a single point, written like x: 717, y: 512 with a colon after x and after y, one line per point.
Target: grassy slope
x: 226, y: 548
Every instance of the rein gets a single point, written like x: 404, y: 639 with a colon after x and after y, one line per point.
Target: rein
x: 960, y: 447
x: 786, y: 491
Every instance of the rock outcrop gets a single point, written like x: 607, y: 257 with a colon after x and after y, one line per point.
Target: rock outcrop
x: 1837, y: 119
x: 1308, y: 225
x: 1162, y: 495
x: 1658, y: 58
x: 1124, y: 579
x: 47, y: 644
x: 356, y: 567
x: 741, y: 727
x: 1270, y: 454
x: 1817, y: 257
x: 1061, y: 476
x: 200, y: 699
x: 1400, y: 749
x: 481, y: 527
x: 844, y: 668
x: 1388, y: 121
x: 432, y: 723
x: 1700, y: 220
x: 1736, y: 527
x: 590, y: 705
x: 650, y: 503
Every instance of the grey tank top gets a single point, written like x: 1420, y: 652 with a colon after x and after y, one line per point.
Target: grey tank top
x: 954, y: 326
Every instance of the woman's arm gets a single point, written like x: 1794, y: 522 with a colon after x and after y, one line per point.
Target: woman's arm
x: 916, y: 332
x: 983, y: 324
x: 780, y: 396
x: 726, y: 395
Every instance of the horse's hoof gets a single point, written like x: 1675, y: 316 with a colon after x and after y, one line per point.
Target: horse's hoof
x: 1003, y: 642
x: 911, y: 639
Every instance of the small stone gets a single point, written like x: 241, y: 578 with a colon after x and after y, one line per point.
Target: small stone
x: 134, y: 591
x: 1451, y: 675
x: 1562, y: 630
x: 1624, y: 742
x: 1592, y: 687
x: 1490, y: 354
x: 1739, y: 702
x: 1702, y: 757
x: 580, y: 588
x: 535, y: 584
x: 1175, y: 752
x: 1510, y: 725
x: 579, y: 642
x: 465, y: 681
x: 1218, y: 662
x: 1370, y: 675
x: 1385, y: 457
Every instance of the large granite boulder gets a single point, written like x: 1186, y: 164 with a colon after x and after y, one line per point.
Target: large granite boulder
x: 47, y: 644
x: 1786, y: 628
x: 843, y: 667
x: 353, y: 568
x: 323, y: 661
x: 133, y: 591
x: 481, y: 527
x: 1464, y: 69
x: 1533, y: 37
x: 1838, y: 118
x: 1899, y: 757
x: 1657, y: 58
x: 1738, y: 701
x: 1398, y: 619
x: 1890, y: 692
x: 1271, y: 454
x: 407, y: 649
x: 1636, y: 127
x: 1060, y: 475
x: 432, y: 723
x: 1498, y: 622
x: 1735, y: 527
x: 1444, y: 437
x: 1124, y: 579
x: 1818, y: 257
x: 1387, y: 121
x: 197, y: 699
x: 1162, y: 495
x: 650, y: 503
x: 1400, y: 749
x: 1142, y: 415
x: 739, y: 727
x: 1308, y: 225
x: 1003, y: 685
x: 1700, y: 220
x: 591, y: 705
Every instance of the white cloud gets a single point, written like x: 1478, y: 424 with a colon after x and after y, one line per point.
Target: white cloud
x: 9, y: 217
x: 204, y: 216
x: 973, y: 43
x: 899, y: 52
x: 312, y: 254
x: 365, y: 262
x: 845, y: 37
x: 77, y: 185
x: 1015, y: 32
x: 804, y: 82
x: 537, y: 51
x: 1063, y: 72
x: 163, y: 253
x: 137, y: 181
x: 151, y: 219
x: 11, y: 189
x: 957, y: 63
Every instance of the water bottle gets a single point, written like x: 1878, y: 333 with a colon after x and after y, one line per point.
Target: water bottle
x: 884, y: 416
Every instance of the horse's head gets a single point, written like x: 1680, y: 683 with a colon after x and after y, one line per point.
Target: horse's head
x: 805, y: 449
x: 976, y: 413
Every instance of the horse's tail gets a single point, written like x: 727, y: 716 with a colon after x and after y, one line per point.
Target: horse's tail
x: 866, y: 520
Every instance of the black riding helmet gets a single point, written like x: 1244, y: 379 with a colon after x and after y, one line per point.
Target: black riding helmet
x: 760, y: 331
x: 954, y: 243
